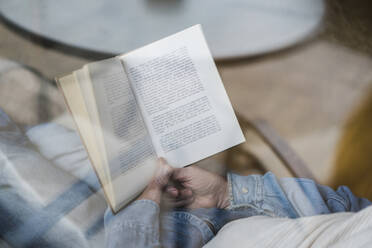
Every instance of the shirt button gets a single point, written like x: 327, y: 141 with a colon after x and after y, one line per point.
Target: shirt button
x: 244, y: 190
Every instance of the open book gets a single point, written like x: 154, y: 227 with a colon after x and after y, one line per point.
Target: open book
x: 162, y: 100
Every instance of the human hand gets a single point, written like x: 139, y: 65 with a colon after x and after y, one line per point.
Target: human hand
x: 158, y: 183
x: 207, y: 189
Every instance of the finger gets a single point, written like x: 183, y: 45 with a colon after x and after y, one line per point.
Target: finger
x: 163, y: 173
x: 185, y: 193
x: 162, y: 161
x: 180, y: 175
x: 170, y: 198
x: 172, y: 191
x: 183, y: 203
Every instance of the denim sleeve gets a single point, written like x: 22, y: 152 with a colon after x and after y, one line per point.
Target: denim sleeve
x: 290, y: 197
x: 135, y: 226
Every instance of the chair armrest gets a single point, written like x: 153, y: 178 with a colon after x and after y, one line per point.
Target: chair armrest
x: 296, y: 166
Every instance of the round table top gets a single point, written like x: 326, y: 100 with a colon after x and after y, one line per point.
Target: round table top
x: 233, y: 28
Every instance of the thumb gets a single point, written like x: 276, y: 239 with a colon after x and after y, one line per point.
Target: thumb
x: 183, y: 175
x: 163, y: 172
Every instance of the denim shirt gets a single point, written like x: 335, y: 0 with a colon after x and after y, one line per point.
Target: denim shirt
x: 142, y: 224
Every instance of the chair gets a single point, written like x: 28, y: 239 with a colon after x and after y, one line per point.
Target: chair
x: 288, y: 157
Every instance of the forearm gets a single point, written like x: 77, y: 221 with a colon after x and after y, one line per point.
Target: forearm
x: 289, y: 197
x: 135, y: 226
x: 245, y: 192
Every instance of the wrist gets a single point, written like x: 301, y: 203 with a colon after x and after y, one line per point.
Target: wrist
x: 151, y: 193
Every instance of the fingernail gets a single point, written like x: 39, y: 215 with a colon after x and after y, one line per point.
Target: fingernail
x: 172, y: 190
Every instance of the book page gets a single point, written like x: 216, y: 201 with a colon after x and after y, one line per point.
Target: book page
x: 84, y: 83
x: 182, y: 98
x: 130, y: 155
x: 78, y: 108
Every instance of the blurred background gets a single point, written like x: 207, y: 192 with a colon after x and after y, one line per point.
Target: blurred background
x: 303, y: 66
